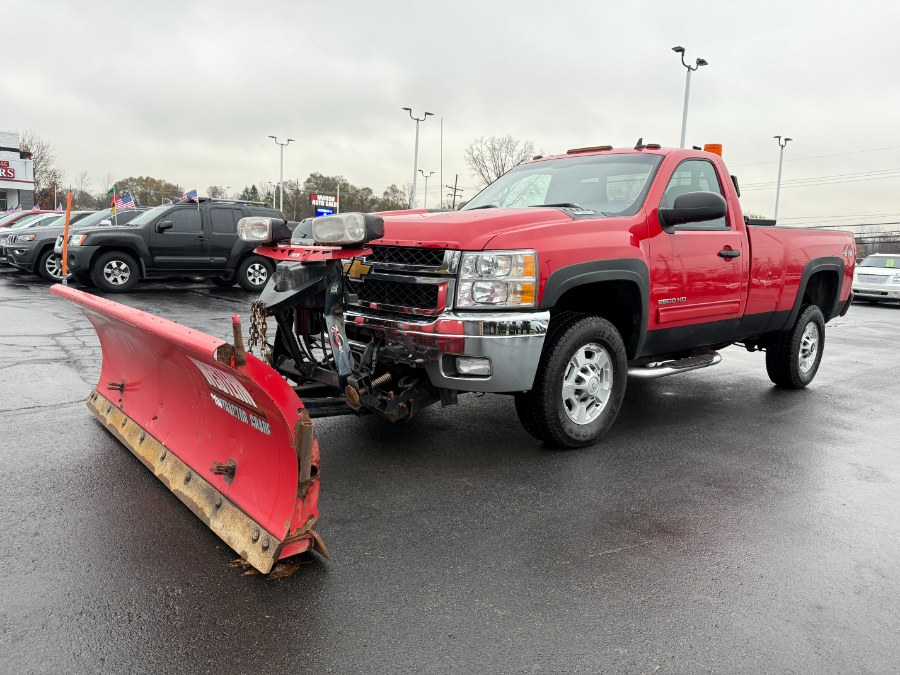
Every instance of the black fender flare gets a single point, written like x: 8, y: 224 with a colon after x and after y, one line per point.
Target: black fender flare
x: 633, y: 270
x: 824, y: 264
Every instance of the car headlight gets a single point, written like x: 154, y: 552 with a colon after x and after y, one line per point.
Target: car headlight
x: 77, y: 239
x: 896, y: 279
x: 25, y: 237
x: 497, y: 279
x: 347, y: 228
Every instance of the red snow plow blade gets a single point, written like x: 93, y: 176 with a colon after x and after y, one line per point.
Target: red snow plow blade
x: 230, y: 441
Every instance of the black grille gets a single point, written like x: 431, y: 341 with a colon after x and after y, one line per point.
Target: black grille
x: 403, y: 255
x: 420, y: 296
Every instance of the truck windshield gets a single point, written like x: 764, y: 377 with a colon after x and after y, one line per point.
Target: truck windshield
x: 149, y: 216
x: 609, y: 184
x: 882, y: 261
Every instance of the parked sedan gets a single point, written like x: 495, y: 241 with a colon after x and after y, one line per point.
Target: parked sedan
x: 31, y: 249
x: 877, y: 278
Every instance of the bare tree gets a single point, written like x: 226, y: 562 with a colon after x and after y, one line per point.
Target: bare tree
x: 215, y: 192
x: 47, y: 176
x: 490, y: 158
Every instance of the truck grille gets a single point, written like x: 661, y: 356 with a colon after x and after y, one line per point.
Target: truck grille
x: 403, y: 255
x: 397, y: 293
x: 865, y: 278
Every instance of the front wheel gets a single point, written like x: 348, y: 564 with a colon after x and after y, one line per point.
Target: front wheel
x: 50, y: 266
x: 580, y: 383
x: 253, y: 273
x: 115, y: 272
x: 793, y: 360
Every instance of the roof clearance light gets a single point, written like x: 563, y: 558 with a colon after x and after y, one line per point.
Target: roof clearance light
x: 714, y: 148
x: 595, y: 148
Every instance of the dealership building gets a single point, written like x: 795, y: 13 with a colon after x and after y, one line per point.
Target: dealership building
x: 16, y: 174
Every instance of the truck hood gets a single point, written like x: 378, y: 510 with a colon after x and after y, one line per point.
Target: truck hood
x: 463, y: 230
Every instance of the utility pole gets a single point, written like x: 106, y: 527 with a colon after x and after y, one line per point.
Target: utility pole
x: 412, y: 201
x: 454, y: 191
x: 337, y: 200
x: 780, y: 160
x: 427, y: 176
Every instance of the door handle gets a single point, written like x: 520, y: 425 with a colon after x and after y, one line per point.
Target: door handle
x: 201, y: 238
x: 728, y: 253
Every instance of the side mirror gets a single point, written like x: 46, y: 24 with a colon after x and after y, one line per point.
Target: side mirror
x: 693, y: 207
x: 164, y: 225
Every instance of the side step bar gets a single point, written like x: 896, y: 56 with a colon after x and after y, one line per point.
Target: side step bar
x: 677, y: 366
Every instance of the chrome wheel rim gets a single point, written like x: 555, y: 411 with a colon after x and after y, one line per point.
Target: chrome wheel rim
x: 587, y: 384
x: 54, y: 266
x: 257, y: 274
x: 116, y: 272
x: 809, y: 347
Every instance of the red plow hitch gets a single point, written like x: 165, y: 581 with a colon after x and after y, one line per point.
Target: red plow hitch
x: 220, y: 428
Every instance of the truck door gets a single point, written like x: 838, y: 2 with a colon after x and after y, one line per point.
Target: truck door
x: 223, y: 234
x: 182, y: 246
x: 699, y: 271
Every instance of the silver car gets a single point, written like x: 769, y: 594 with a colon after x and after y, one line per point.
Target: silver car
x: 878, y: 278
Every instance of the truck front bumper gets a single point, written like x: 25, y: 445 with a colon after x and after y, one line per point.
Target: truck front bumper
x: 883, y: 291
x: 22, y: 255
x: 506, y: 346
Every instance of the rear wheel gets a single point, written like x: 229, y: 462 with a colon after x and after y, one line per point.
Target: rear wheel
x: 580, y: 383
x: 50, y: 266
x: 253, y: 273
x: 793, y: 360
x: 115, y: 272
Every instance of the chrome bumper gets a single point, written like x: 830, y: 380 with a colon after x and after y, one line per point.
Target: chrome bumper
x: 512, y: 341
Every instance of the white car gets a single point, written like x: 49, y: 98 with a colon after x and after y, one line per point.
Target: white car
x: 878, y: 278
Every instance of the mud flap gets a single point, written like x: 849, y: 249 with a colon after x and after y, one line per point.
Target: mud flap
x: 230, y: 441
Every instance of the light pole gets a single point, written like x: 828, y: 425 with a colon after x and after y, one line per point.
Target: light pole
x: 780, y: 160
x: 412, y: 201
x: 281, y: 175
x: 427, y: 176
x: 687, y: 87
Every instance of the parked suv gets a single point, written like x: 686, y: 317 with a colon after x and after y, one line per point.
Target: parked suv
x: 877, y: 278
x: 25, y: 223
x: 174, y: 240
x: 31, y: 249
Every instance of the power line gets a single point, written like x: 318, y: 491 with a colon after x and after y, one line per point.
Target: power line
x: 827, y: 180
x: 803, y: 159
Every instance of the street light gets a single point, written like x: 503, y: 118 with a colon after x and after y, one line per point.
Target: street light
x: 412, y: 201
x: 281, y: 176
x: 427, y: 176
x: 780, y: 160
x: 687, y: 87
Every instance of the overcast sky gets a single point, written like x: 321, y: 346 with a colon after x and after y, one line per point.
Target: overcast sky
x: 190, y: 91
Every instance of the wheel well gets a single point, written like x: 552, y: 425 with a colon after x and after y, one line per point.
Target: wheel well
x: 120, y: 249
x: 40, y: 252
x: 822, y: 290
x: 619, y: 302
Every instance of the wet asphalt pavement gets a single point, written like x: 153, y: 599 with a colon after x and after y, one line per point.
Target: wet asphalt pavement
x: 722, y: 526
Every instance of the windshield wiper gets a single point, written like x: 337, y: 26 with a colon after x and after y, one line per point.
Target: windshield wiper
x: 486, y: 206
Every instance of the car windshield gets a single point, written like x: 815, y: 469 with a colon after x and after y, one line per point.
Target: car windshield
x: 880, y: 261
x: 28, y: 221
x: 8, y: 217
x: 95, y: 218
x: 149, y: 216
x: 609, y: 184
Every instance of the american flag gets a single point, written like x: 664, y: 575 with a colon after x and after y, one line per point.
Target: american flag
x: 190, y: 196
x: 125, y: 202
x: 36, y: 207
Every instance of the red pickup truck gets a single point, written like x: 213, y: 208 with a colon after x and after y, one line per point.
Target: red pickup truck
x: 570, y: 273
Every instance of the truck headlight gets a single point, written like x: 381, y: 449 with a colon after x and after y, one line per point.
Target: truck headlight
x: 261, y: 230
x: 347, y: 228
x: 25, y: 237
x: 77, y: 239
x: 896, y: 279
x: 497, y: 279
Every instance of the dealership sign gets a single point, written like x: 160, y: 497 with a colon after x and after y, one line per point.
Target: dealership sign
x: 6, y: 171
x: 16, y: 174
x: 327, y: 201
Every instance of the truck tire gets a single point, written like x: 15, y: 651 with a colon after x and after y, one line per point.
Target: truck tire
x: 50, y: 266
x: 253, y: 273
x: 527, y: 414
x: 793, y: 359
x: 115, y: 272
x: 580, y: 383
